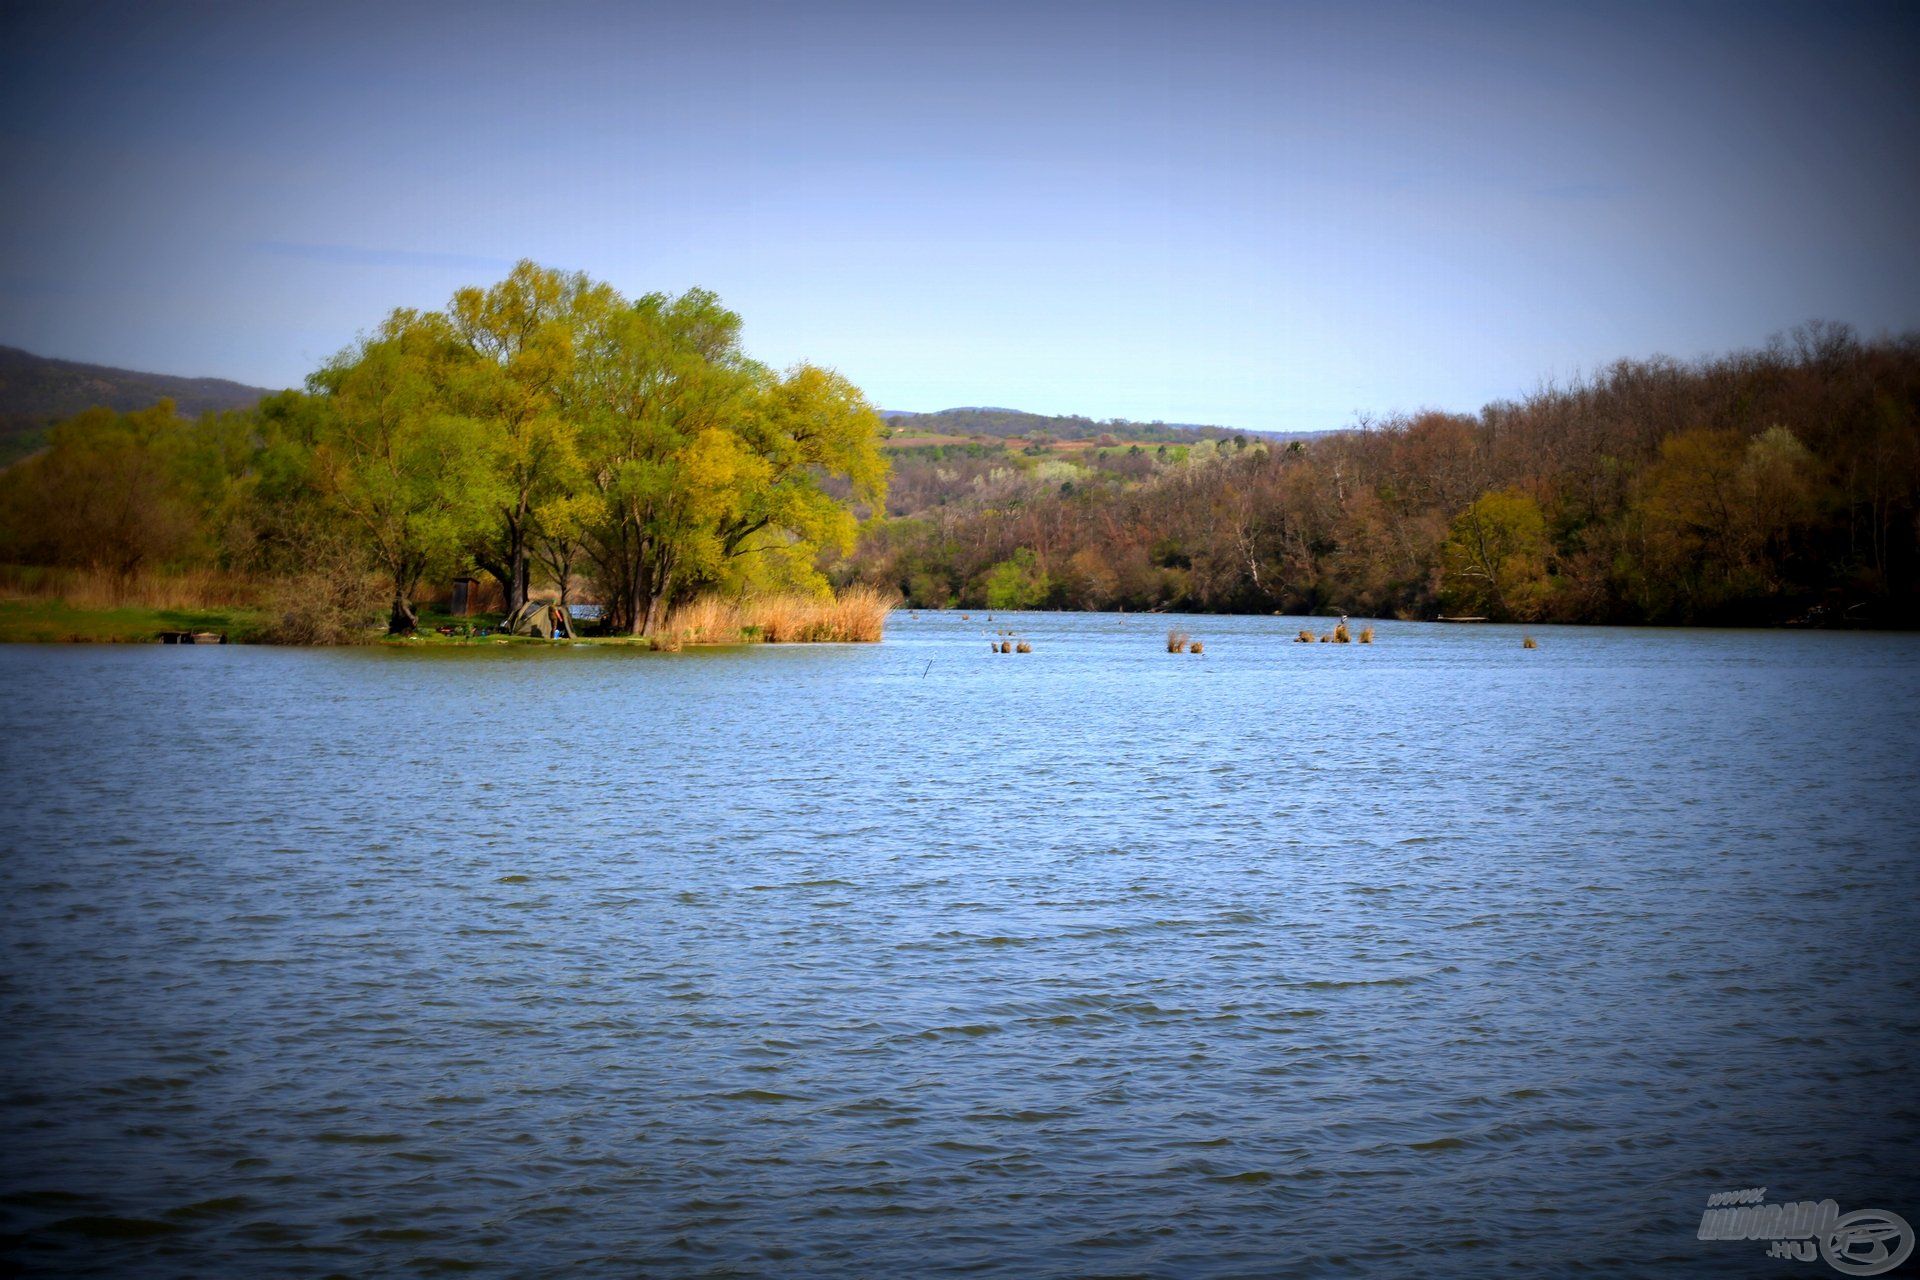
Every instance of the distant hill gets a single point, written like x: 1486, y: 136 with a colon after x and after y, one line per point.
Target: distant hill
x: 1007, y: 423
x: 37, y: 391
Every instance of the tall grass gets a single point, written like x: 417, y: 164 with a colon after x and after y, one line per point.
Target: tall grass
x: 1177, y: 641
x: 96, y: 589
x: 708, y: 620
x: 858, y: 615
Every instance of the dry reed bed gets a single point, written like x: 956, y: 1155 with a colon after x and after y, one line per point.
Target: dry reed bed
x: 858, y: 615
x: 97, y: 589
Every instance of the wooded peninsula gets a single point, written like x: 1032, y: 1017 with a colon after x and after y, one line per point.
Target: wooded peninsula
x: 560, y: 441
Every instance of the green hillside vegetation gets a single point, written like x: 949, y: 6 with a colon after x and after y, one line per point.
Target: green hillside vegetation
x: 1005, y: 423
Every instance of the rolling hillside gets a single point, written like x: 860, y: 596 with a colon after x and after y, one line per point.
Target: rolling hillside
x: 37, y: 391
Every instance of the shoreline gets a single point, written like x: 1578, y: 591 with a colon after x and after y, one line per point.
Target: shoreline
x: 28, y: 620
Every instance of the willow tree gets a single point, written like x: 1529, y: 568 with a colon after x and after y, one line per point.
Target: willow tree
x: 521, y: 335
x: 807, y: 425
x: 396, y: 459
x: 697, y: 456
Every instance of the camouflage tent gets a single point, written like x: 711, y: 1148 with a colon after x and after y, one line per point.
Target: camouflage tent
x: 538, y: 618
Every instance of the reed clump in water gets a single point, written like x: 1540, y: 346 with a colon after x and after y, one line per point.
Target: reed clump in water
x: 1177, y: 641
x: 1023, y: 647
x: 1305, y: 637
x: 1006, y: 646
x: 1196, y: 648
x: 1527, y: 643
x: 708, y: 620
x: 1341, y: 635
x: 857, y: 615
x: 1366, y: 635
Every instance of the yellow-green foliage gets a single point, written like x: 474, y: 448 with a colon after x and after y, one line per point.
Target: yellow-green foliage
x: 1495, y: 557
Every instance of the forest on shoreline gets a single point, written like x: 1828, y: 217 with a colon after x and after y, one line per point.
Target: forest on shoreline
x: 564, y: 442
x: 1762, y: 487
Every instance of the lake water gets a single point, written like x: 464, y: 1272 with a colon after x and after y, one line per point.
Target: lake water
x: 1434, y: 957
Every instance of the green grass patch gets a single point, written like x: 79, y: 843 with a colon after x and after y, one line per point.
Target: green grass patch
x: 56, y: 622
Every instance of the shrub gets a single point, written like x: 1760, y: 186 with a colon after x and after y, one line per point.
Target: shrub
x: 337, y: 601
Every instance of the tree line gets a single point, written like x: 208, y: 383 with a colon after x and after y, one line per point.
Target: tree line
x: 542, y: 429
x: 548, y: 431
x: 1763, y: 486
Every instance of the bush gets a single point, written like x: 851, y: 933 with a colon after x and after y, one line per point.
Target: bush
x: 337, y: 601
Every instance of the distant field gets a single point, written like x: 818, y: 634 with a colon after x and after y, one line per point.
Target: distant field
x: 1019, y: 444
x: 929, y: 442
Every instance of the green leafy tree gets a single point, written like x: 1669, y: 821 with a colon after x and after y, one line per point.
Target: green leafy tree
x: 1495, y: 555
x: 113, y: 492
x: 520, y: 335
x: 1016, y: 582
x: 396, y: 460
x: 659, y: 384
x: 698, y: 457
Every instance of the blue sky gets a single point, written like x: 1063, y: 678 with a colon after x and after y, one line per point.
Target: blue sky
x: 1263, y: 215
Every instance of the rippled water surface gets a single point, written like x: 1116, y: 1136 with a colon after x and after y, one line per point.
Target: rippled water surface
x: 1431, y: 957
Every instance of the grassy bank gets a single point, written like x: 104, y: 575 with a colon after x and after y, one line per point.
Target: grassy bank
x: 67, y: 606
x: 54, y: 606
x: 57, y: 622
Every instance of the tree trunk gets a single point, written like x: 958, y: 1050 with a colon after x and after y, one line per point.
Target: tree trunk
x: 518, y: 570
x: 403, y: 619
x: 500, y: 572
x: 638, y: 609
